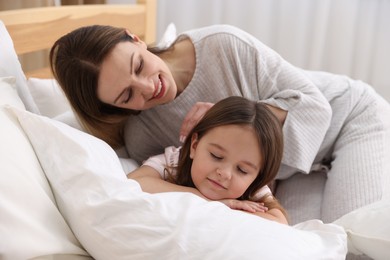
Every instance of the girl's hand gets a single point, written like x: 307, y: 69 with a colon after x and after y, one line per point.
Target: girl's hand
x: 192, y: 118
x: 273, y: 214
x: 245, y: 205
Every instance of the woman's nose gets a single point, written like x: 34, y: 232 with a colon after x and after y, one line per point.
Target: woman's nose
x: 145, y: 88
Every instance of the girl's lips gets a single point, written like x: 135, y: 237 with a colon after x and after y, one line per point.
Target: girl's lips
x: 217, y: 184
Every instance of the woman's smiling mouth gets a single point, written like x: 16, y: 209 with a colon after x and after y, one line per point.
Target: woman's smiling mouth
x: 160, y: 89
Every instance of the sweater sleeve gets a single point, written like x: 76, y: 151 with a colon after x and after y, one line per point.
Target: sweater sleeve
x: 308, y: 112
x: 283, y: 85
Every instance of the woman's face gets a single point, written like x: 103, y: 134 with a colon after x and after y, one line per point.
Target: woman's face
x: 226, y: 160
x: 134, y: 78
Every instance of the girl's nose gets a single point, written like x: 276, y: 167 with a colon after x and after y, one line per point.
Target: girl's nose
x: 224, y: 172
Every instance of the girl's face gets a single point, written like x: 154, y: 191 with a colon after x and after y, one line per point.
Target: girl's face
x: 134, y: 78
x: 226, y: 160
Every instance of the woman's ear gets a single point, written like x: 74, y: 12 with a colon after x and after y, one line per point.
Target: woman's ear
x: 135, y: 37
x: 194, y: 144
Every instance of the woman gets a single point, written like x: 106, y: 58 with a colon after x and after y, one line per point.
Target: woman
x: 232, y: 154
x: 329, y: 121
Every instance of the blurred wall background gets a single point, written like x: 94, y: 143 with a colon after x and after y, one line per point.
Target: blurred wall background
x: 350, y: 37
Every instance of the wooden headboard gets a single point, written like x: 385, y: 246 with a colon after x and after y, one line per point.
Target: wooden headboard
x: 36, y: 29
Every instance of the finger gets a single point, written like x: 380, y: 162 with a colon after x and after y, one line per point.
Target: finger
x: 262, y: 208
x: 247, y: 207
x: 251, y: 206
x: 238, y: 205
x: 186, y: 125
x: 257, y: 206
x: 195, y: 114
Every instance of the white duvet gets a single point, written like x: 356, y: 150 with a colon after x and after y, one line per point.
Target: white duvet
x: 114, y: 219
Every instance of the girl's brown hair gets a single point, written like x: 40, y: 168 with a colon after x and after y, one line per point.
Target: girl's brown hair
x: 241, y: 111
x: 75, y: 61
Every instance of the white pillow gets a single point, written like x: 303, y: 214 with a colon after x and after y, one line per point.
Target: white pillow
x: 52, y: 102
x: 30, y: 223
x: 48, y: 97
x: 368, y: 230
x: 70, y: 119
x: 10, y: 66
x: 128, y: 165
x: 168, y: 37
x: 114, y: 219
x: 8, y: 92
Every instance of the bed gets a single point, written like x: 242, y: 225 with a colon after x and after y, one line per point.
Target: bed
x: 64, y: 193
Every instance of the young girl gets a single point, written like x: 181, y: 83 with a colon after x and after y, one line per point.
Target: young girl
x: 231, y: 155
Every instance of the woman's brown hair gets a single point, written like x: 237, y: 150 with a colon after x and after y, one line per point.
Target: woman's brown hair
x: 241, y: 111
x: 75, y: 61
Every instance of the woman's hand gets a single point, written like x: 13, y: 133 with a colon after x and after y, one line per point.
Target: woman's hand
x: 279, y: 113
x: 245, y: 205
x: 192, y: 118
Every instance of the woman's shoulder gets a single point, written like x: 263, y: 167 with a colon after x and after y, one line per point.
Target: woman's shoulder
x: 215, y: 31
x: 216, y: 28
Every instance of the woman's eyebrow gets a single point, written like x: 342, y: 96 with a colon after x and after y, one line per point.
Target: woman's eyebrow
x: 131, y: 63
x: 131, y: 72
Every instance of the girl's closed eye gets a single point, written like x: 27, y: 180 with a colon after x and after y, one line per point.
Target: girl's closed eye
x: 241, y: 170
x: 216, y: 156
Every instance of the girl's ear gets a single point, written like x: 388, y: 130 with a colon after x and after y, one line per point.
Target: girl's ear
x: 194, y: 144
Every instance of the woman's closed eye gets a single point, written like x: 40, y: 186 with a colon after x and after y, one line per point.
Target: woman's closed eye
x: 128, y: 95
x: 140, y: 67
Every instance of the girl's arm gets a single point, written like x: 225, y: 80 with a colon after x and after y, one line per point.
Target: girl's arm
x: 275, y: 211
x: 151, y: 182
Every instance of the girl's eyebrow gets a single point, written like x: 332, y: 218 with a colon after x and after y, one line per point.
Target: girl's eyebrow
x: 131, y: 72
